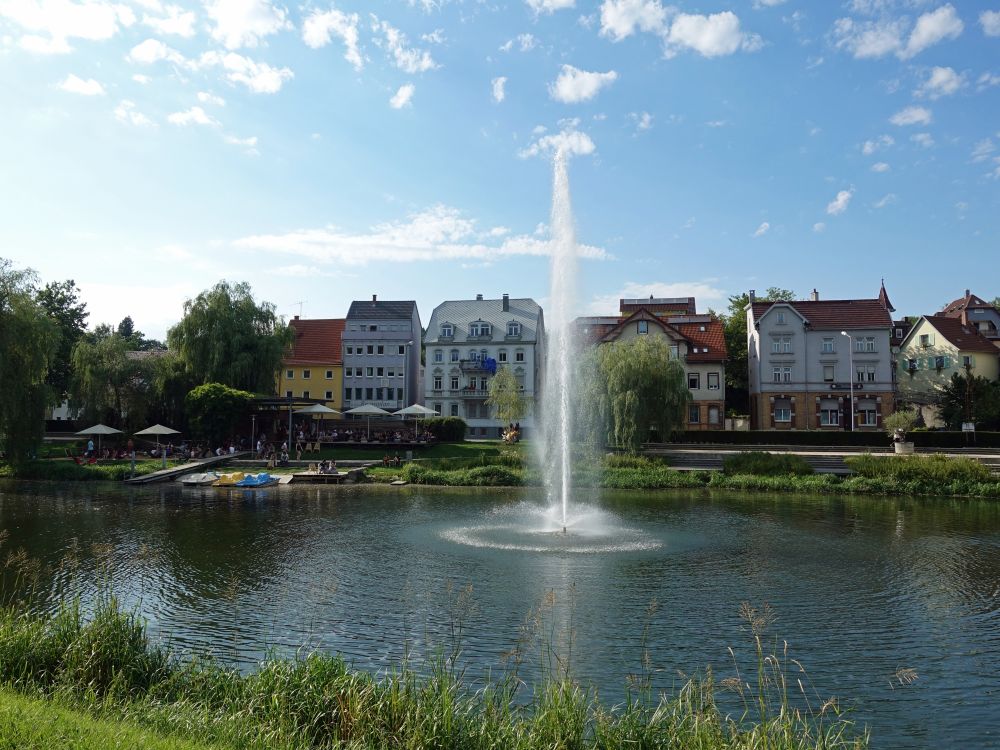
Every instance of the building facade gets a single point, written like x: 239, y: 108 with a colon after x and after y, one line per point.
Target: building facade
x: 466, y: 342
x: 820, y: 364
x: 314, y: 368
x: 697, y: 341
x: 935, y: 349
x: 381, y: 354
x: 976, y: 313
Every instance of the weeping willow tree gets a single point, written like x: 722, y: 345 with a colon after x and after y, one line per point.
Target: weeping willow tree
x: 226, y: 337
x: 628, y: 389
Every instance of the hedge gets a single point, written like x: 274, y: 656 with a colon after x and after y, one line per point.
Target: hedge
x: 446, y: 429
x: 922, y: 439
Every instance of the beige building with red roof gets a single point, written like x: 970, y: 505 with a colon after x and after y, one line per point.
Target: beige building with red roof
x: 314, y: 366
x: 696, y: 340
x: 820, y: 364
x: 937, y: 348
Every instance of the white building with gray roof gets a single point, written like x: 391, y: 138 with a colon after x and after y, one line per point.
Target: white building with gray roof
x: 381, y: 341
x: 467, y: 341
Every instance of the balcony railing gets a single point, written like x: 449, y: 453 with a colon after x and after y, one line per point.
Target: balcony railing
x: 472, y: 365
x: 460, y: 393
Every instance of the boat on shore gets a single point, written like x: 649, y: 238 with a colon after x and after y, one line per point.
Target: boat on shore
x: 229, y: 480
x: 200, y: 479
x: 252, y: 481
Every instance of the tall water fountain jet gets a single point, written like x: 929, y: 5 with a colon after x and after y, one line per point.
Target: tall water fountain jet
x: 557, y: 417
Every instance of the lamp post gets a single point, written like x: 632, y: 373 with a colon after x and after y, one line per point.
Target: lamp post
x: 850, y: 370
x: 253, y: 434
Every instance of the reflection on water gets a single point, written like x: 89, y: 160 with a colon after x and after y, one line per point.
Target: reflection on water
x: 862, y: 587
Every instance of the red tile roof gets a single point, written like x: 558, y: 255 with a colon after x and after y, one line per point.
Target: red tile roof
x: 710, y: 343
x: 962, y: 337
x: 317, y: 342
x: 659, y: 306
x: 835, y: 313
x: 968, y: 302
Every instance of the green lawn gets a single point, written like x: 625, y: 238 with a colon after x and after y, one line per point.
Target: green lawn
x: 437, y: 450
x: 41, y: 724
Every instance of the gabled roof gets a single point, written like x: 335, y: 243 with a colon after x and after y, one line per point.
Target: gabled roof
x: 963, y: 337
x: 590, y: 330
x: 317, y: 341
x: 381, y: 310
x: 883, y: 297
x: 641, y: 314
x: 659, y: 305
x: 710, y: 342
x: 834, y: 314
x: 460, y: 313
x: 968, y: 302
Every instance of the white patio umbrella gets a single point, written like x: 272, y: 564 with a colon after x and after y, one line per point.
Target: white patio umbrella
x: 417, y: 411
x: 159, y: 429
x: 368, y: 410
x: 320, y: 409
x: 99, y: 430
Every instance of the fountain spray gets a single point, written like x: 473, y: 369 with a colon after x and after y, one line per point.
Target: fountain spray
x: 558, y: 378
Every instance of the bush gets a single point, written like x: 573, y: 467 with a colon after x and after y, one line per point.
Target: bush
x: 937, y: 468
x: 762, y: 463
x: 922, y: 439
x: 446, y: 429
x: 626, y: 461
x: 67, y: 471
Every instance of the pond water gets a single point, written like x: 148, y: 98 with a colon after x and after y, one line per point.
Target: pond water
x: 860, y: 587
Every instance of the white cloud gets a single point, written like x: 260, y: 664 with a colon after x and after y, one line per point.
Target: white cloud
x: 570, y: 141
x: 880, y: 166
x: 193, y: 116
x: 931, y: 28
x: 886, y: 35
x: 177, y: 21
x: 244, y: 23
x: 941, y: 82
x: 318, y: 27
x: 206, y: 97
x: 125, y: 112
x: 152, y: 51
x: 403, y: 96
x: 839, y: 204
x: 76, y: 85
x: 140, y: 78
x: 763, y: 229
x: 574, y: 85
x: 711, y: 36
x: 986, y: 80
x: 990, y: 21
x: 819, y: 227
x: 622, y: 18
x: 717, y: 123
x: 260, y: 78
x: 642, y: 120
x: 911, y: 116
x: 549, y: 6
x: 249, y: 145
x: 758, y: 4
x: 440, y: 233
x: 883, y: 141
x: 983, y: 150
x: 923, y: 139
x: 885, y: 200
x: 49, y: 25
x: 525, y: 43
x: 707, y: 294
x: 497, y: 88
x: 408, y: 59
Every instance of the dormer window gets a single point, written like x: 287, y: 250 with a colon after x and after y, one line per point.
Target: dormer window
x: 447, y: 330
x: 513, y: 328
x: 479, y: 328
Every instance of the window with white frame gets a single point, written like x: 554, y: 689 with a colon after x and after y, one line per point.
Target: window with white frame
x: 305, y: 394
x: 865, y: 373
x: 454, y: 382
x: 402, y: 349
x: 712, y: 381
x: 674, y: 351
x: 350, y: 350
x: 479, y: 328
x: 867, y: 415
x: 780, y: 317
x: 827, y: 346
x: 513, y: 328
x: 781, y: 345
x: 437, y: 408
x: 329, y: 374
x: 438, y: 355
x: 925, y: 339
x: 694, y: 381
x: 519, y: 355
x: 447, y: 330
x: 502, y: 355
x: 306, y: 374
x: 329, y: 395
x: 370, y: 372
x: 829, y: 413
x: 782, y: 413
x: 782, y: 374
x: 437, y: 383
x: 290, y: 374
x: 864, y: 344
x: 380, y: 349
x: 642, y: 327
x: 454, y: 410
x: 288, y: 394
x: 828, y: 373
x: 370, y: 349
x: 454, y: 355
x: 968, y: 360
x: 390, y: 372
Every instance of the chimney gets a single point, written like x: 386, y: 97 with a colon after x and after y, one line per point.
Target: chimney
x: 374, y: 298
x: 966, y: 292
x: 814, y: 297
x: 479, y: 298
x: 296, y: 317
x: 753, y: 296
x: 506, y: 303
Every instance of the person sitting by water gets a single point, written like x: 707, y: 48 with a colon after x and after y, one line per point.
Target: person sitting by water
x: 396, y: 461
x: 283, y: 460
x: 385, y: 460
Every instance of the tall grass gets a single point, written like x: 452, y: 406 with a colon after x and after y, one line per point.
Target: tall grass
x: 762, y: 463
x: 68, y: 471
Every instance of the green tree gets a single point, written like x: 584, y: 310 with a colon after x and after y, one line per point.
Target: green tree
x: 215, y: 409
x: 970, y: 398
x: 506, y: 398
x: 29, y: 340
x: 734, y: 323
x: 628, y: 389
x: 110, y: 383
x: 226, y: 337
x: 136, y: 339
x: 61, y: 300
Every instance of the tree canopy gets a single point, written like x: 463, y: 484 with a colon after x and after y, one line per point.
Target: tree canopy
x: 109, y: 383
x: 970, y: 398
x: 628, y: 389
x: 215, y: 410
x: 227, y: 337
x: 506, y: 398
x: 61, y: 300
x: 29, y: 340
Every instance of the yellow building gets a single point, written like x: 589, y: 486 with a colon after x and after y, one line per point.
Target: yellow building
x: 314, y: 367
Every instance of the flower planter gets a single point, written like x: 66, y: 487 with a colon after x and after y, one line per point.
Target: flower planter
x: 903, y: 449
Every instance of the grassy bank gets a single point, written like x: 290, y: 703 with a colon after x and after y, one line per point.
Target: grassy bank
x: 65, y: 470
x: 874, y: 475
x: 102, y: 679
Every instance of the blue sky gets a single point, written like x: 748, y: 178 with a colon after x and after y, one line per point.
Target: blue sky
x: 328, y: 151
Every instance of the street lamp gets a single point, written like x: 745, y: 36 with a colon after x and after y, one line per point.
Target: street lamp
x: 850, y: 370
x: 253, y: 434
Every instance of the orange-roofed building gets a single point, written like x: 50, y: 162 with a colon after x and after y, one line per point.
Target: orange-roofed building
x: 698, y: 341
x: 313, y: 368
